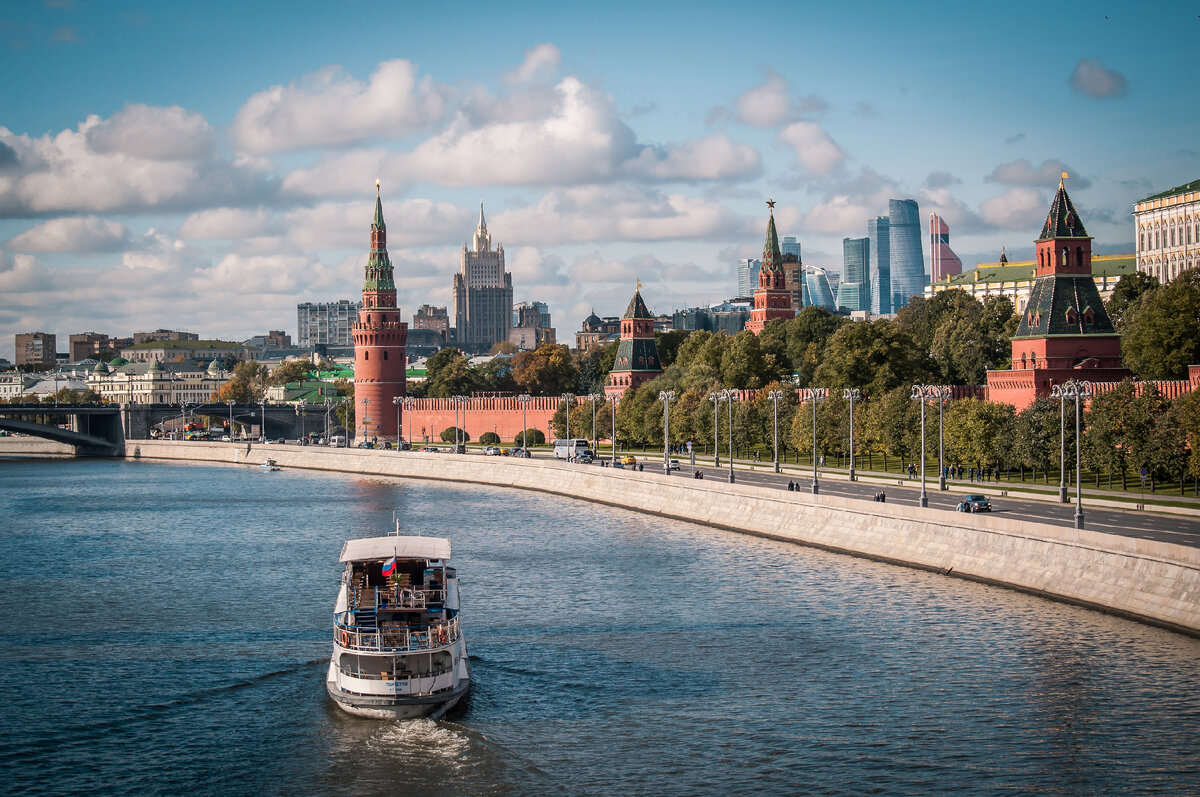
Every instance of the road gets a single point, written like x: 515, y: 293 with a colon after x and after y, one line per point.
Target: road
x: 1180, y: 529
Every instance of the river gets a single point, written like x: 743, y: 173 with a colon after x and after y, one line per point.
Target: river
x: 167, y: 629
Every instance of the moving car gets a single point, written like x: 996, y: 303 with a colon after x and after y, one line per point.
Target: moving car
x: 491, y: 451
x: 629, y: 459
x: 673, y: 464
x: 978, y: 503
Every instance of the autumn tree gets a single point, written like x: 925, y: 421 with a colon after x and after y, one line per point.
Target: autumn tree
x: 292, y: 371
x: 548, y: 370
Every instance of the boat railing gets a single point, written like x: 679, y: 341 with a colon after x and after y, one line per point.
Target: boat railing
x: 395, y: 596
x: 396, y: 639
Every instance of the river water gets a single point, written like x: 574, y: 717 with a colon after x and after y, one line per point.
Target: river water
x: 166, y: 629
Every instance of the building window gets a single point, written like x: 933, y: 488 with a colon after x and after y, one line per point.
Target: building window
x: 385, y: 354
x: 366, y: 355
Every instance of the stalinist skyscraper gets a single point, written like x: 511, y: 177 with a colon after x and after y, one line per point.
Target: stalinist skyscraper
x: 483, y: 294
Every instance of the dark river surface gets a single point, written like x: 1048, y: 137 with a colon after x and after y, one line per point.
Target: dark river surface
x: 166, y: 630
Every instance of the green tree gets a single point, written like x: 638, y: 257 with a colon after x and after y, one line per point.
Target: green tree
x: 449, y: 373
x: 978, y: 432
x: 489, y: 439
x: 292, y: 371
x: 1128, y: 289
x: 876, y: 356
x: 742, y: 364
x: 1161, y: 334
x: 973, y: 338
x: 668, y: 344
x: 1188, y: 407
x: 807, y: 336
x: 893, y: 425
x: 452, y: 433
x: 1037, y: 436
x: 1104, y: 431
x: 548, y: 370
x: 1167, y: 443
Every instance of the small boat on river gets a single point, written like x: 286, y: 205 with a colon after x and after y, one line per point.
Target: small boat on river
x: 268, y: 465
x: 398, y: 649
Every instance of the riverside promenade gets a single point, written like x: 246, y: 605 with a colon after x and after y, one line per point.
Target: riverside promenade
x: 1144, y: 579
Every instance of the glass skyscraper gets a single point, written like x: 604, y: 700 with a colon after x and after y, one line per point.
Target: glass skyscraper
x: 880, y: 273
x: 856, y: 262
x: 906, y: 257
x: 747, y: 276
x: 819, y: 293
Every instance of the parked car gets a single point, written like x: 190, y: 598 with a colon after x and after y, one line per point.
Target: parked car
x: 387, y: 445
x: 673, y: 464
x: 585, y: 458
x: 629, y: 459
x: 491, y: 451
x: 978, y: 503
x: 458, y: 449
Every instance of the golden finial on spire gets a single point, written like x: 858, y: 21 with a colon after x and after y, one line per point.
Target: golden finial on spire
x: 639, y: 284
x: 1062, y: 179
x: 376, y: 186
x: 771, y: 205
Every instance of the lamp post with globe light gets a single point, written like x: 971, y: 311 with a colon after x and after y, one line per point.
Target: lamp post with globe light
x: 920, y: 393
x: 524, y: 400
x: 730, y: 395
x: 715, y: 398
x: 666, y: 397
x: 775, y: 396
x: 814, y: 395
x: 1078, y: 390
x: 852, y: 394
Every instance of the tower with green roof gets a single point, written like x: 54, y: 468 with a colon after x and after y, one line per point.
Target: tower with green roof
x: 637, y: 354
x: 380, y: 339
x: 772, y: 299
x: 1064, y: 332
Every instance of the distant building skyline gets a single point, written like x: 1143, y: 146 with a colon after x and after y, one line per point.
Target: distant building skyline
x: 905, y: 254
x: 878, y: 236
x: 483, y: 293
x: 856, y: 263
x: 943, y: 262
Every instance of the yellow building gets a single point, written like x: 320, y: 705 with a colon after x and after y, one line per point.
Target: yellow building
x: 1168, y: 232
x: 1015, y: 280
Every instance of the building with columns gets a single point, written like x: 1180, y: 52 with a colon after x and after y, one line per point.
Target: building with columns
x: 772, y: 299
x: 379, y: 343
x: 1065, y: 332
x: 1168, y: 232
x: 637, y: 354
x: 483, y: 293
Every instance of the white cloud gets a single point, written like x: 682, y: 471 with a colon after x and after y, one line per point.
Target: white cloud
x: 84, y: 235
x: 1018, y: 208
x: 815, y: 151
x: 1022, y: 172
x: 1092, y: 79
x: 581, y: 141
x: 541, y: 62
x: 150, y: 133
x: 329, y: 108
x: 63, y: 173
x: 225, y: 224
x: 715, y: 157
x: 767, y: 105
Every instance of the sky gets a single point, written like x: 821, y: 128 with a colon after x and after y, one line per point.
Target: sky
x: 208, y: 166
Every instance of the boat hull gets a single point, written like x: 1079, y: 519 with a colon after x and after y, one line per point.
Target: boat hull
x: 396, y: 707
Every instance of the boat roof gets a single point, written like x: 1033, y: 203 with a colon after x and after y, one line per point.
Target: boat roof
x: 370, y: 548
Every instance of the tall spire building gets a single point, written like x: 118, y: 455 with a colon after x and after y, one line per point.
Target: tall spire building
x: 637, y: 354
x: 483, y: 294
x: 772, y: 299
x: 379, y: 343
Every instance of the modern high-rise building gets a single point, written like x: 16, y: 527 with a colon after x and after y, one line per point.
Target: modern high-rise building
x: 326, y: 323
x: 747, y: 276
x: 880, y: 273
x: 86, y: 344
x: 790, y: 248
x: 483, y: 294
x: 942, y: 260
x: 820, y: 293
x: 37, y: 349
x: 856, y: 261
x: 906, y: 256
x: 793, y: 270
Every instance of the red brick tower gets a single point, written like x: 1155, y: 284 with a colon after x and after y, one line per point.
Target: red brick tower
x: 772, y: 299
x: 379, y: 340
x: 1065, y: 332
x: 637, y: 354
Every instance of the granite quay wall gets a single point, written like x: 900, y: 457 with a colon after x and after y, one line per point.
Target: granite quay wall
x: 1147, y: 580
x: 34, y: 447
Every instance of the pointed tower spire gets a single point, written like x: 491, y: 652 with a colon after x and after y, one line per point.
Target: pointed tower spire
x: 378, y: 220
x: 483, y: 241
x: 772, y: 258
x: 482, y: 221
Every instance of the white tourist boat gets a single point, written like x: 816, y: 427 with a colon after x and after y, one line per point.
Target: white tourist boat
x: 268, y: 465
x: 398, y: 649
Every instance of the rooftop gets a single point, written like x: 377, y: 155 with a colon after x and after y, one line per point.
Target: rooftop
x: 1194, y: 185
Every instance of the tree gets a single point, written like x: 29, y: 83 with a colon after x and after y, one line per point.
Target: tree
x: 531, y: 437
x: 807, y: 336
x: 1189, y: 419
x: 548, y: 370
x: 1037, y: 436
x: 893, y: 424
x: 449, y: 373
x: 292, y: 371
x: 502, y: 347
x: 489, y: 439
x: 1129, y: 288
x: 452, y: 433
x: 1167, y: 443
x: 1161, y: 333
x: 742, y: 365
x: 668, y: 344
x: 978, y: 432
x: 973, y: 338
x: 496, y: 376
x: 876, y: 356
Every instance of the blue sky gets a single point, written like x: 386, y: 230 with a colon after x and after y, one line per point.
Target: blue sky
x: 207, y: 167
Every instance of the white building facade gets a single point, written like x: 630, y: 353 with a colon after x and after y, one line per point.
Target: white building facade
x: 1168, y: 232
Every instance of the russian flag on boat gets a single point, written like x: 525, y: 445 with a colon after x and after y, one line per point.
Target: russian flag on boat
x: 389, y: 567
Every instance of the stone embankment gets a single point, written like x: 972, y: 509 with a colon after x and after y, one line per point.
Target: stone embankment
x: 1151, y: 581
x: 34, y: 447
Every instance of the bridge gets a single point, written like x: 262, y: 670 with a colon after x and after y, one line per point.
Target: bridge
x: 100, y: 430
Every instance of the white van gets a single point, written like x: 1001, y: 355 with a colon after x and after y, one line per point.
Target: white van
x: 571, y: 449
x: 337, y: 440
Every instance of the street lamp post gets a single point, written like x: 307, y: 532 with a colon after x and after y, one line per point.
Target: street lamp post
x: 524, y: 400
x: 460, y: 432
x: 568, y: 398
x: 614, y: 400
x: 409, y: 403
x: 919, y: 394
x: 715, y: 398
x: 398, y: 400
x: 1062, y: 430
x: 666, y: 397
x: 943, y: 393
x: 775, y: 396
x: 730, y: 396
x: 1077, y: 390
x: 300, y: 415
x: 263, y: 430
x: 230, y: 403
x: 852, y: 394
x: 365, y: 421
x: 594, y: 397
x: 813, y: 395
